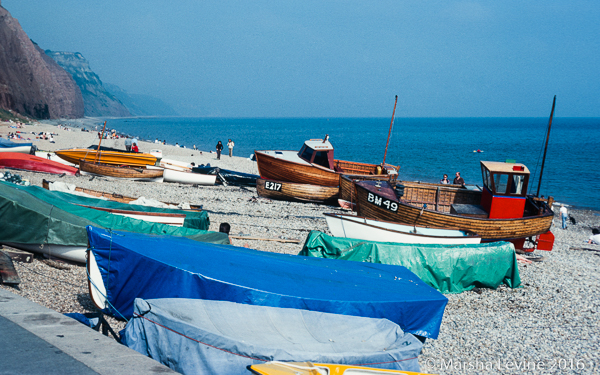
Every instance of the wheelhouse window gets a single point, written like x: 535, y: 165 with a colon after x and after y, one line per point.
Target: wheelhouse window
x: 321, y: 159
x: 500, y: 183
x: 516, y: 187
x: 306, y: 153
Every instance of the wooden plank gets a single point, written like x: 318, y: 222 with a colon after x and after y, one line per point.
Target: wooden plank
x: 8, y: 274
x: 18, y: 255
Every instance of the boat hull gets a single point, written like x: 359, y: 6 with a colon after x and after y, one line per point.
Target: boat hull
x: 33, y: 163
x: 289, y: 191
x: 19, y: 149
x: 350, y: 226
x: 71, y: 253
x: 273, y: 168
x: 244, y: 335
x: 381, y: 203
x: 114, y: 196
x: 141, y: 173
x: 184, y: 177
x: 106, y: 157
x: 228, y: 273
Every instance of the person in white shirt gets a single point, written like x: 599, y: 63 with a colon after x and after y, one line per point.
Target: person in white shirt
x: 230, y: 145
x: 564, y: 215
x: 595, y: 237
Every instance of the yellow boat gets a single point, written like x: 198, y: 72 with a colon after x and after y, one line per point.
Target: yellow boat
x: 308, y: 368
x: 106, y: 157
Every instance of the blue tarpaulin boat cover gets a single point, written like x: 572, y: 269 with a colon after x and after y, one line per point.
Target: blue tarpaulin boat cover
x: 134, y: 265
x: 5, y: 143
x: 194, y: 336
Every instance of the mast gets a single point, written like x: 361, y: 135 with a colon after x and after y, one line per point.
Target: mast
x: 99, y: 143
x: 390, y: 132
x: 546, y: 147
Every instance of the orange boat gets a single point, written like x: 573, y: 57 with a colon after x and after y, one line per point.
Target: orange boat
x: 74, y: 155
x: 314, y: 164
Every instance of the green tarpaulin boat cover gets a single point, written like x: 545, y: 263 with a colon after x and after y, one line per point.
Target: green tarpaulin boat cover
x: 448, y: 268
x: 30, y: 217
x: 193, y: 219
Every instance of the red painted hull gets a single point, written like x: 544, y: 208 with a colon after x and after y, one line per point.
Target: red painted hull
x: 33, y: 163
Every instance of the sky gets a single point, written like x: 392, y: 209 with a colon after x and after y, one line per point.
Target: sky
x: 335, y: 58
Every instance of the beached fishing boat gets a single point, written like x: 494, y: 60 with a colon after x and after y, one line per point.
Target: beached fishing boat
x: 106, y: 157
x: 225, y: 337
x: 188, y: 177
x: 447, y: 268
x: 116, y: 197
x: 350, y: 226
x: 190, y: 269
x: 8, y: 146
x: 289, y: 191
x: 137, y: 173
x: 315, y: 165
x: 502, y: 211
x: 347, y: 196
x: 32, y: 219
x: 309, y: 368
x: 28, y: 162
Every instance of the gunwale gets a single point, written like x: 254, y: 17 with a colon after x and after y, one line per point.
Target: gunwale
x: 488, y: 229
x: 296, y: 192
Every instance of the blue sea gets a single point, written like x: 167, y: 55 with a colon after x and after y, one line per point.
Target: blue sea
x: 424, y: 148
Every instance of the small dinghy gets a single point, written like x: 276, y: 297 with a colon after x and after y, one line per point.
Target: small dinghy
x: 136, y: 173
x: 190, y: 269
x: 350, y: 226
x: 221, y: 337
x: 16, y: 160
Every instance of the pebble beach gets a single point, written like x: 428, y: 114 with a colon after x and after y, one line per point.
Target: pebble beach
x: 550, y: 325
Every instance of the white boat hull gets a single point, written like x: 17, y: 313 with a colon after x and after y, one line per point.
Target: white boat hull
x: 54, y: 157
x: 20, y: 149
x: 349, y: 226
x: 171, y: 175
x: 72, y: 253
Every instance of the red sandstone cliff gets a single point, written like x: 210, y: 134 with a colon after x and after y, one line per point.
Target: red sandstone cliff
x: 31, y: 83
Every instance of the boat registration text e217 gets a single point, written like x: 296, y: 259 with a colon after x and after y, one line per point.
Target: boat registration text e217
x: 382, y: 202
x: 275, y: 186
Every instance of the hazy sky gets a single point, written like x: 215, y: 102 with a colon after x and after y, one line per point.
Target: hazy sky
x: 335, y: 58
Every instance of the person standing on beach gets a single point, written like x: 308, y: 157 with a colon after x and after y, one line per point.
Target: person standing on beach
x: 564, y: 215
x: 135, y: 148
x: 219, y: 149
x: 458, y: 180
x: 128, y: 143
x: 230, y: 145
x: 445, y: 180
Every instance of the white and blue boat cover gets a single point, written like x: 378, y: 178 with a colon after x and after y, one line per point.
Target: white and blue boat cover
x: 194, y: 336
x: 135, y: 265
x: 5, y: 143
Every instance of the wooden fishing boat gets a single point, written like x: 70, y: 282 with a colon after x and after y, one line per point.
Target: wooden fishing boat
x: 106, y: 157
x: 137, y: 173
x: 309, y: 368
x: 28, y: 162
x: 114, y: 196
x: 315, y: 165
x: 502, y: 211
x: 350, y: 226
x: 289, y: 191
x: 188, y: 177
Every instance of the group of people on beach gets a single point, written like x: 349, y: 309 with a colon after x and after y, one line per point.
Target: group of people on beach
x: 230, y: 145
x: 457, y: 180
